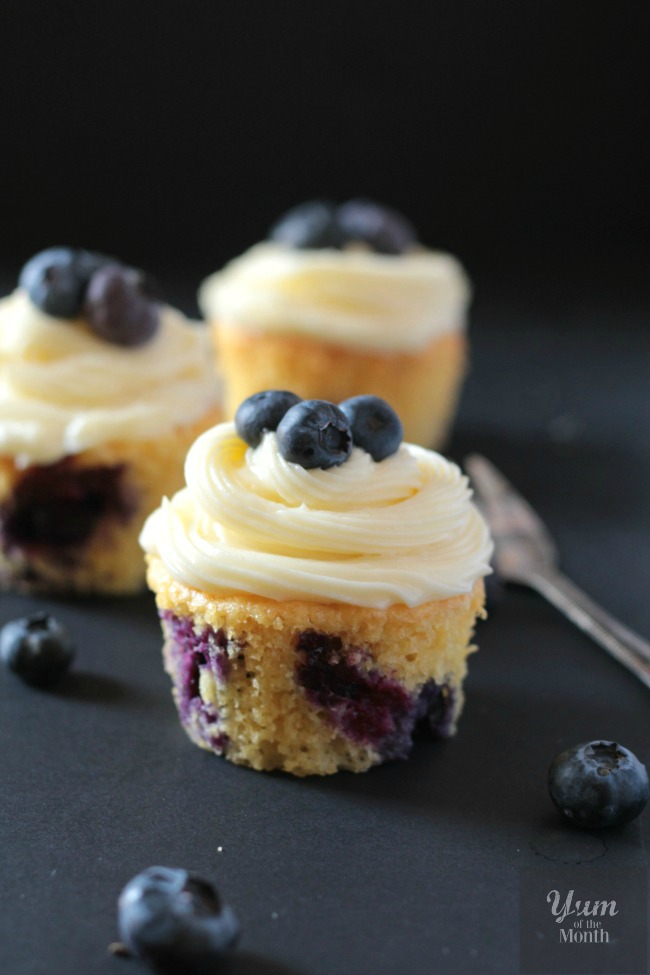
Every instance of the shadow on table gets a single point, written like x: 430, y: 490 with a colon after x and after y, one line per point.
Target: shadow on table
x: 96, y: 689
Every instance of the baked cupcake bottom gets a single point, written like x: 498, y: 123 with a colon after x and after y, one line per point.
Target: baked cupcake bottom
x: 73, y: 525
x: 422, y: 386
x: 312, y: 688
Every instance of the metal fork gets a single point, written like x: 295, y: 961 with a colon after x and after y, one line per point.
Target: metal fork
x: 525, y: 554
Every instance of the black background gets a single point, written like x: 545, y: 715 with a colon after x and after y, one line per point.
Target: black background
x: 172, y: 134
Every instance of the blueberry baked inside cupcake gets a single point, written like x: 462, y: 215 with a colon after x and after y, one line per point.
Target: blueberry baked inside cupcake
x: 340, y: 301
x: 318, y: 581
x: 103, y: 387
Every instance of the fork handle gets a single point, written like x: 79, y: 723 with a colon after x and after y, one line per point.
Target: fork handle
x: 623, y: 644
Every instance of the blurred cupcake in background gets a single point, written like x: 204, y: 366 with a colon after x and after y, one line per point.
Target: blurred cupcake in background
x: 103, y: 387
x: 342, y: 301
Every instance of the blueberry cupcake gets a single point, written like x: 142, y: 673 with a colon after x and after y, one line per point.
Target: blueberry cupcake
x: 102, y: 390
x: 318, y: 582
x: 339, y: 302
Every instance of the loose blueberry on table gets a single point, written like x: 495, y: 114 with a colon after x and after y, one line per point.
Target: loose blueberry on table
x: 37, y: 648
x: 176, y: 922
x: 118, y: 303
x: 598, y: 783
x: 319, y: 224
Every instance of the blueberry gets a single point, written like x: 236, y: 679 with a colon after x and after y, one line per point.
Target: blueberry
x: 375, y: 425
x: 314, y: 433
x: 56, y: 279
x: 150, y: 285
x: 175, y: 921
x: 309, y: 225
x: 598, y: 783
x: 91, y: 261
x: 383, y: 229
x: 262, y: 411
x: 37, y: 648
x: 119, y: 308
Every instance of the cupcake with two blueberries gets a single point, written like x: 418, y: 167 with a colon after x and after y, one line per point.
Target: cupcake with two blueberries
x: 103, y: 388
x: 318, y: 582
x: 342, y: 301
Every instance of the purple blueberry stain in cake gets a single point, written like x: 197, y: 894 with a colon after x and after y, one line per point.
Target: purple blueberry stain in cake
x: 58, y: 507
x: 431, y: 716
x: 208, y: 646
x: 220, y: 743
x: 192, y: 652
x: 435, y: 709
x: 366, y: 705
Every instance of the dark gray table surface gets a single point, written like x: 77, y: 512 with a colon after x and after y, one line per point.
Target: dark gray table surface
x: 413, y: 868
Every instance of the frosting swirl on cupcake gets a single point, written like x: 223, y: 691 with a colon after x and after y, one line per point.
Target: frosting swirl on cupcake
x: 352, y: 297
x: 63, y: 389
x: 374, y: 534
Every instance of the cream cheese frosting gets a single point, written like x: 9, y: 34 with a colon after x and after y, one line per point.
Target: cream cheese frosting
x: 63, y: 389
x: 352, y: 297
x: 374, y: 534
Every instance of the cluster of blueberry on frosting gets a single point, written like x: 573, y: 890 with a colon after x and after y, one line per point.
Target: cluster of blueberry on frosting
x: 320, y: 224
x: 118, y: 303
x: 315, y: 433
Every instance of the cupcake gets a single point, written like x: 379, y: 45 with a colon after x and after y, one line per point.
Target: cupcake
x: 102, y: 390
x: 339, y: 302
x: 318, y: 583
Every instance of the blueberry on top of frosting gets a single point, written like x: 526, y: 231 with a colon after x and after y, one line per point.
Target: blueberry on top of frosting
x: 315, y: 433
x: 320, y: 224
x: 118, y: 307
x: 56, y: 279
x: 309, y: 225
x: 262, y: 411
x: 118, y: 303
x: 384, y: 230
x: 374, y: 424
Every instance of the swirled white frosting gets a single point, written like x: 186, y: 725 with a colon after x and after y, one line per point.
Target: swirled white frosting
x: 63, y: 389
x: 352, y: 297
x: 403, y: 530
